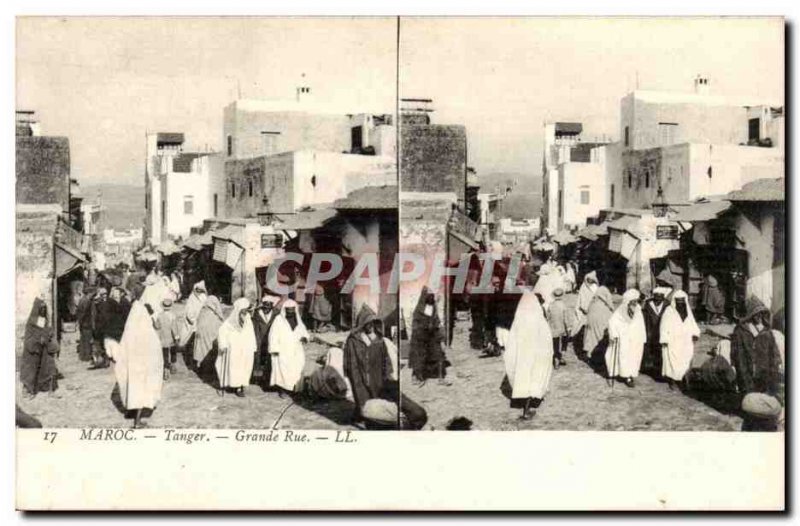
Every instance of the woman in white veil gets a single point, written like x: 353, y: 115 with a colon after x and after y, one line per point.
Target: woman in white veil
x: 528, y: 356
x: 627, y: 336
x: 678, y: 332
x: 236, y: 344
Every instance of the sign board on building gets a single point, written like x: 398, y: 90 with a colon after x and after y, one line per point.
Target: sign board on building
x: 271, y: 240
x: 667, y: 232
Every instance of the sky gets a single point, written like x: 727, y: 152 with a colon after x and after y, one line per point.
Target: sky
x: 503, y: 78
x: 105, y: 82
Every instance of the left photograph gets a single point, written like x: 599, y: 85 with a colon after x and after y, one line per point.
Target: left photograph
x: 206, y: 223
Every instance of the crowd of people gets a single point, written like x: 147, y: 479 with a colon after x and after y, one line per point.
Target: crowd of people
x: 656, y: 335
x: 135, y: 329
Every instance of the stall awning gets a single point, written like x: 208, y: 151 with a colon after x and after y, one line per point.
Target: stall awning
x: 68, y: 254
x: 193, y: 243
x: 307, y: 219
x: 228, y: 245
x: 564, y: 238
x: 67, y: 259
x: 167, y: 247
x: 699, y: 212
x: 623, y: 223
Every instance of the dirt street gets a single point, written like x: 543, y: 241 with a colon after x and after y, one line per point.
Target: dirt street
x: 579, y: 398
x: 84, y: 399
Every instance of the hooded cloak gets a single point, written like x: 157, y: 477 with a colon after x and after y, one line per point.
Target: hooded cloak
x: 208, y: 323
x: 713, y: 297
x: 600, y: 310
x: 528, y: 357
x: 585, y: 295
x: 193, y: 307
x: 321, y: 309
x: 286, y: 350
x: 627, y: 337
x: 237, y: 347
x: 38, y: 370
x: 426, y: 338
x: 139, y: 363
x: 367, y: 364
x: 676, y: 338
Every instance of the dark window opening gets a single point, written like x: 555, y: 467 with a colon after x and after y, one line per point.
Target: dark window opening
x: 710, y: 172
x: 627, y: 136
x: 230, y: 145
x: 314, y: 181
x: 612, y: 196
x: 233, y: 190
x: 754, y: 130
x: 250, y: 188
x: 356, y: 134
x: 630, y: 179
x: 216, y: 203
x: 647, y: 179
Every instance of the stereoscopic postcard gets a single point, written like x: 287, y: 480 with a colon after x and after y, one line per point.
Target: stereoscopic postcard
x: 269, y: 263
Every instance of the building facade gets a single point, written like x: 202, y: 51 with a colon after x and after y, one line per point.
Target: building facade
x: 574, y: 177
x: 51, y: 251
x: 181, y: 188
x: 283, y: 155
x: 691, y: 145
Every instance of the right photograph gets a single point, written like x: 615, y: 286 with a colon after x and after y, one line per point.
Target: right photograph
x: 592, y: 223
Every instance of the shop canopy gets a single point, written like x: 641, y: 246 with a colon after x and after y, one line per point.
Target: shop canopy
x: 564, y: 238
x: 193, y: 243
x: 206, y: 239
x: 228, y: 245
x: 307, y: 219
x: 68, y: 242
x: 701, y: 211
x: 761, y: 190
x: 592, y: 232
x: 167, y: 247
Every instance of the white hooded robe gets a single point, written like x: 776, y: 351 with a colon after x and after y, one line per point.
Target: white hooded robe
x: 627, y: 337
x: 676, y: 339
x: 237, y: 347
x: 528, y: 357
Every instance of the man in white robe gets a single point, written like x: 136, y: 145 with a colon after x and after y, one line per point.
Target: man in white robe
x: 528, y: 356
x: 236, y: 343
x: 138, y: 361
x: 286, y: 350
x: 188, y: 322
x: 678, y: 333
x: 585, y: 296
x: 627, y: 336
x: 549, y: 280
x: 154, y: 293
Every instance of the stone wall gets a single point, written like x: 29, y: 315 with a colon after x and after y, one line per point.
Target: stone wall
x: 434, y: 159
x: 34, y: 264
x: 43, y: 170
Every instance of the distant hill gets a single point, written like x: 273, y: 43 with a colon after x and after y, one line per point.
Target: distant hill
x: 124, y: 204
x: 524, y: 201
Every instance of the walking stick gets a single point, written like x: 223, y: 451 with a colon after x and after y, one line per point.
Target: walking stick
x: 224, y: 373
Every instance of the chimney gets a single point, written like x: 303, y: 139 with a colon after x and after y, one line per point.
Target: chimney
x: 701, y: 85
x: 303, y: 94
